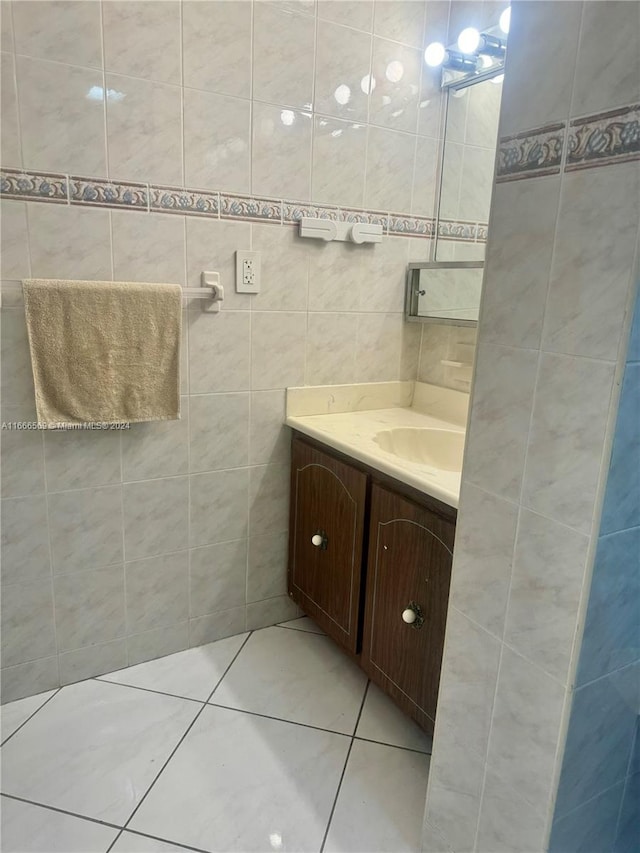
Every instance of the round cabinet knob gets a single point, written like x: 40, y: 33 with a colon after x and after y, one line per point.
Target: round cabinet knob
x: 409, y: 616
x: 316, y: 540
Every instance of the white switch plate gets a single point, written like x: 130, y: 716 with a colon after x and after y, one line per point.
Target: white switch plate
x: 247, y: 272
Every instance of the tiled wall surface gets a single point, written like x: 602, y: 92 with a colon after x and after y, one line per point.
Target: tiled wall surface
x: 559, y: 286
x: 119, y: 547
x: 598, y: 803
x: 122, y: 546
x: 327, y: 102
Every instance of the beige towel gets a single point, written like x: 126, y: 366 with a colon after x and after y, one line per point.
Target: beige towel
x: 104, y: 351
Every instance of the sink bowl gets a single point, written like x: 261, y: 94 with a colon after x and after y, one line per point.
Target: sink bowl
x: 440, y: 448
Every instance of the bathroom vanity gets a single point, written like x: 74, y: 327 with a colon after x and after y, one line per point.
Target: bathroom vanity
x: 372, y: 532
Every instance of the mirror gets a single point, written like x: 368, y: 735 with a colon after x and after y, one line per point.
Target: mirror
x: 445, y: 292
x: 468, y: 162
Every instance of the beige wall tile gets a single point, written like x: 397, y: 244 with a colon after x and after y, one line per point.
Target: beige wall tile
x: 548, y: 40
x: 9, y: 132
x: 142, y: 39
x: 500, y: 416
x: 281, y: 152
x: 343, y: 58
x: 227, y: 24
x: 485, y: 539
x: 144, y: 130
x: 567, y: 438
x: 217, y: 142
x: 67, y: 31
x: 62, y: 117
x: 283, y: 47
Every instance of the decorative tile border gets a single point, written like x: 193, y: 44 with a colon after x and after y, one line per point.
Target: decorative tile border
x: 461, y: 232
x: 194, y: 202
x: 370, y: 217
x: 411, y: 226
x: 100, y: 192
x: 601, y: 140
x: 39, y: 186
x: 531, y: 154
x: 250, y: 207
x: 293, y: 213
x: 108, y: 194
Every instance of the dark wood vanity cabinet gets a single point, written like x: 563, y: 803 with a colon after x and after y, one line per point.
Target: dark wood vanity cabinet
x: 326, y: 539
x: 408, y: 576
x: 370, y: 562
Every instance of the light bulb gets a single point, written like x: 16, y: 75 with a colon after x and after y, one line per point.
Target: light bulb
x: 486, y: 61
x: 505, y: 20
x: 287, y: 117
x: 434, y: 54
x: 469, y: 40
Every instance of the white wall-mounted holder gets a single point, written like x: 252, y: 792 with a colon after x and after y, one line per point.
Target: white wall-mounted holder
x: 211, y: 300
x: 328, y: 230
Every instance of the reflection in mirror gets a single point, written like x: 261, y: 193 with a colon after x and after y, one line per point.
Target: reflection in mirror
x: 445, y: 293
x: 468, y: 163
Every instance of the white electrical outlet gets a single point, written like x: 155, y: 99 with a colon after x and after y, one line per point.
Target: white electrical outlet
x: 247, y: 272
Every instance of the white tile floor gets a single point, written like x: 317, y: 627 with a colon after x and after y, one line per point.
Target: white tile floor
x: 269, y: 741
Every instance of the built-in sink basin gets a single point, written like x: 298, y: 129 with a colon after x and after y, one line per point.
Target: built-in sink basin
x: 440, y: 448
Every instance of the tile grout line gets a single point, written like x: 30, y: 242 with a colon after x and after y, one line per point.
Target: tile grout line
x: 625, y: 785
x: 95, y: 820
x: 62, y: 811
x: 31, y: 716
x: 208, y: 701
x: 164, y: 840
x: 392, y: 745
x: 104, y: 680
x: 344, y: 769
x: 212, y: 704
x: 304, y: 630
x: 47, y: 513
x: 277, y: 719
x: 177, y: 746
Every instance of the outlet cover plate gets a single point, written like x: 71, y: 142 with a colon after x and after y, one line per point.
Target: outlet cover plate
x: 247, y: 272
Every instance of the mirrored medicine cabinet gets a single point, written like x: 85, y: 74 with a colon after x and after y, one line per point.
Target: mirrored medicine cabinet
x: 447, y: 289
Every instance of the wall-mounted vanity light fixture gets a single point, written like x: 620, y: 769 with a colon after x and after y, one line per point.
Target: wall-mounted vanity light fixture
x: 476, y: 54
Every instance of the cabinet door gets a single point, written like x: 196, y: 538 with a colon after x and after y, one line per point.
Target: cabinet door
x: 410, y: 554
x: 325, y: 545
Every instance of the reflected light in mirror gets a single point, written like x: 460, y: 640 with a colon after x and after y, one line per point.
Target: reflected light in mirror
x: 395, y: 71
x: 275, y: 839
x: 342, y: 94
x: 287, y: 117
x: 368, y: 84
x: 505, y: 20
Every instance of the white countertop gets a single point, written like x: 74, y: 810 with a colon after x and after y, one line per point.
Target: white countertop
x: 353, y: 432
